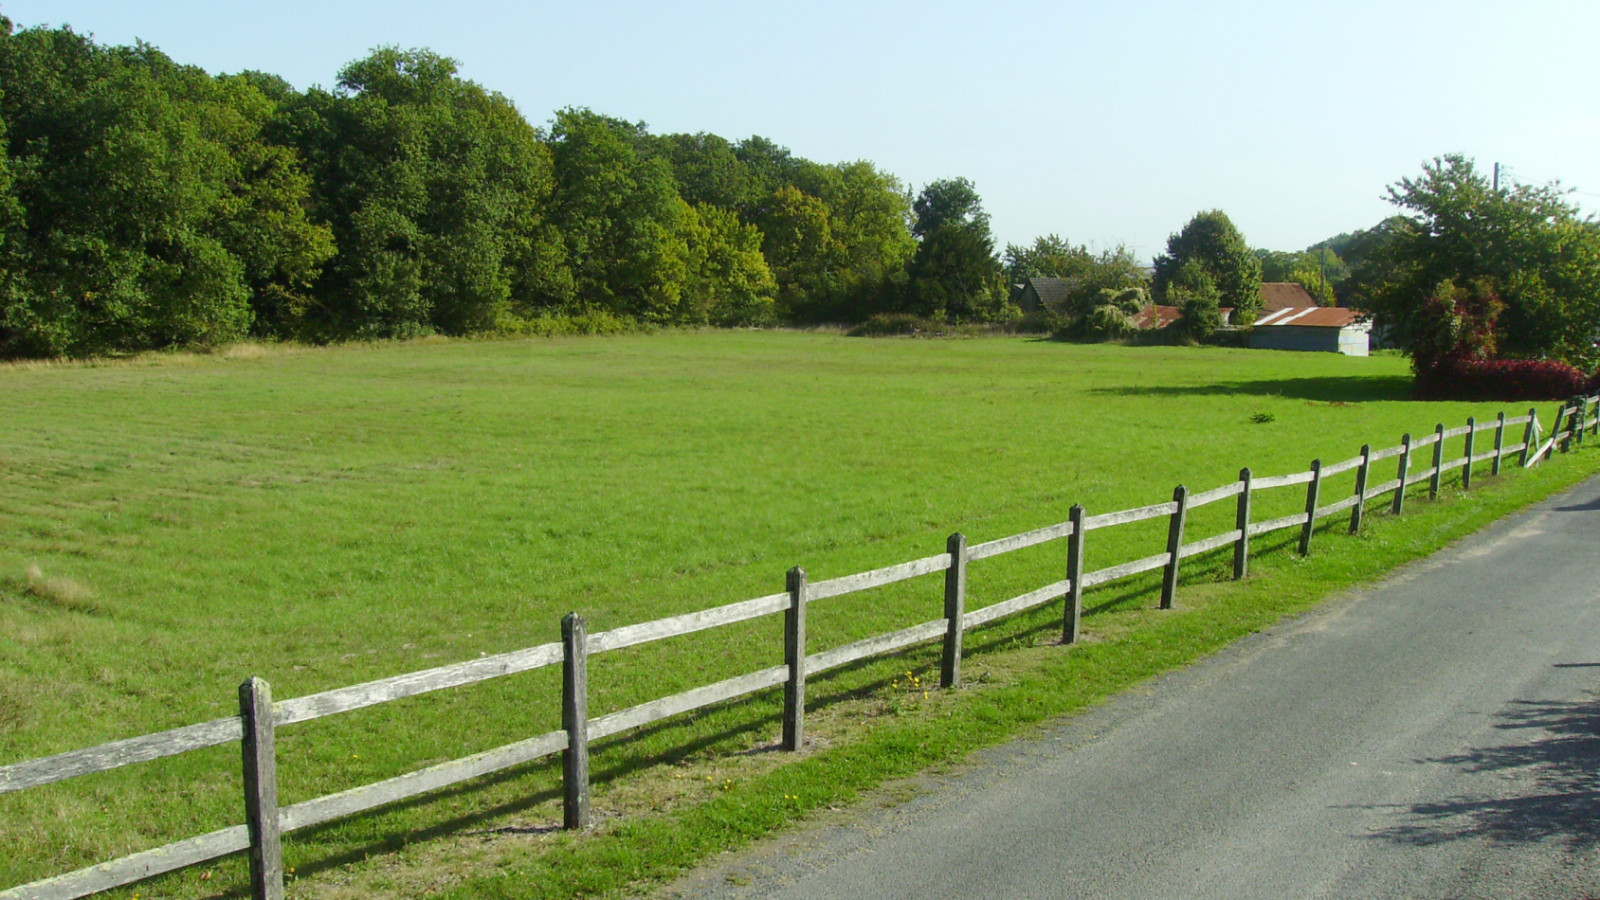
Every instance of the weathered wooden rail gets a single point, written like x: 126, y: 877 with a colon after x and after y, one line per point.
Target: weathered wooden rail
x: 254, y: 729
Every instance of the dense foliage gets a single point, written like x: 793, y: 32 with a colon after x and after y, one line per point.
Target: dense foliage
x: 142, y: 203
x: 1088, y: 274
x: 1525, y: 244
x: 145, y: 204
x: 1211, y: 242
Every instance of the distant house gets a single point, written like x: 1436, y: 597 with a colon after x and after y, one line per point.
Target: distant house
x: 1330, y: 329
x: 1041, y: 293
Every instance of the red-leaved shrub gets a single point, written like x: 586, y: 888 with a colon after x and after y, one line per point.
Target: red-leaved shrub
x: 1453, y: 352
x: 1504, y: 379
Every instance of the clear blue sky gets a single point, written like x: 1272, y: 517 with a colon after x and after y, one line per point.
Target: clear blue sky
x: 1104, y: 122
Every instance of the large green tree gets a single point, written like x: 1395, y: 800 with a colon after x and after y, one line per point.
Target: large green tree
x: 624, y: 225
x: 436, y: 192
x: 837, y: 237
x: 954, y: 274
x: 148, y: 209
x: 1211, y: 241
x: 1525, y: 243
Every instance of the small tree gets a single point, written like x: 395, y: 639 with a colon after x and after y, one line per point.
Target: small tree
x: 1194, y: 292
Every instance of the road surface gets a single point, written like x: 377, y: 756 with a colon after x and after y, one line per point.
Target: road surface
x: 1434, y: 736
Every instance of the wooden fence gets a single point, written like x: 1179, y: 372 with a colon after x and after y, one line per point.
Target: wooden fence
x: 259, y: 716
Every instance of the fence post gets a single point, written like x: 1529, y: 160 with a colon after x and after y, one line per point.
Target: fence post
x: 1313, y: 494
x: 1405, y: 466
x: 1241, y: 550
x: 1555, y: 430
x: 1499, y: 443
x: 575, y: 719
x: 1466, y: 468
x: 1438, y: 461
x: 1073, y: 614
x: 794, y: 653
x: 1582, y: 404
x: 955, y: 608
x: 261, y: 790
x: 1360, y: 509
x: 1527, y: 435
x: 1169, y: 579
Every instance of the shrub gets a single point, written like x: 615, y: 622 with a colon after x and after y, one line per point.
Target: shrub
x: 559, y: 324
x: 1110, y: 321
x: 904, y: 324
x: 1504, y: 379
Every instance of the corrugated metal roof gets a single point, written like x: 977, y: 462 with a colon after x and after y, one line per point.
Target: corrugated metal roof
x: 1312, y: 317
x: 1284, y: 294
x: 1154, y: 316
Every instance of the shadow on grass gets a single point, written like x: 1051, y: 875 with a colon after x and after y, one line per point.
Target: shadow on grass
x: 1541, y: 783
x: 1331, y: 389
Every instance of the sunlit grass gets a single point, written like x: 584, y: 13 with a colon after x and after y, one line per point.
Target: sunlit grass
x: 170, y: 527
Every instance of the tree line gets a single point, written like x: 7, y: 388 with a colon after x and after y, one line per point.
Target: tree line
x: 148, y: 204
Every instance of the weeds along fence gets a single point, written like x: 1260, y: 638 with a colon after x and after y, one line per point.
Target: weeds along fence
x: 259, y: 716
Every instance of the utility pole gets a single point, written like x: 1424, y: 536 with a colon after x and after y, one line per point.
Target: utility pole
x: 1497, y: 178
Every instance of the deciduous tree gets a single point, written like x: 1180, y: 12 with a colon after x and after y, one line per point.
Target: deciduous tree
x: 1526, y: 244
x: 1212, y: 242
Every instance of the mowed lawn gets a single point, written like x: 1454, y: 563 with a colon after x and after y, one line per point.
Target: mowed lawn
x: 320, y: 517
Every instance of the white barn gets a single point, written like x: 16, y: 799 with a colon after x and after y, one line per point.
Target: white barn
x: 1329, y: 329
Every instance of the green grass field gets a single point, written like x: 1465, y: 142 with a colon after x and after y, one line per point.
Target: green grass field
x: 170, y: 526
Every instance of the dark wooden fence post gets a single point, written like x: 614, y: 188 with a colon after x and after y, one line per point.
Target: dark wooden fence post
x: 1466, y: 468
x: 1360, y: 509
x: 1313, y: 494
x: 575, y: 719
x: 1405, y: 467
x: 1582, y: 403
x: 1528, y: 435
x: 1499, y: 443
x: 1555, y: 430
x: 955, y: 608
x: 1241, y: 550
x: 1169, y: 581
x: 794, y: 653
x: 1072, y: 615
x: 261, y: 790
x: 1438, y: 461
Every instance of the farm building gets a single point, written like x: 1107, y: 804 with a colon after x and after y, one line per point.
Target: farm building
x: 1276, y: 295
x: 1040, y: 293
x: 1330, y: 329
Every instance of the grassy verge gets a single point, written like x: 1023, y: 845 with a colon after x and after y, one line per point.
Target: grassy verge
x: 171, y: 526
x: 1018, y: 686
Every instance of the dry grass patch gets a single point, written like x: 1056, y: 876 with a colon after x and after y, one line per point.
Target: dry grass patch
x: 60, y: 591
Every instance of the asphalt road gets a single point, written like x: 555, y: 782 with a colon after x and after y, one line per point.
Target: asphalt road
x: 1435, y: 736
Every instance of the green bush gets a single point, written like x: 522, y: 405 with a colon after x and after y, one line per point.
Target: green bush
x: 1109, y: 320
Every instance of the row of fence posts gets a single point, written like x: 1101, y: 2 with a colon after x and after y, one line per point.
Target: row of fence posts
x: 255, y: 695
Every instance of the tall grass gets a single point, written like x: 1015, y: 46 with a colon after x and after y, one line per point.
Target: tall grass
x: 171, y: 527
